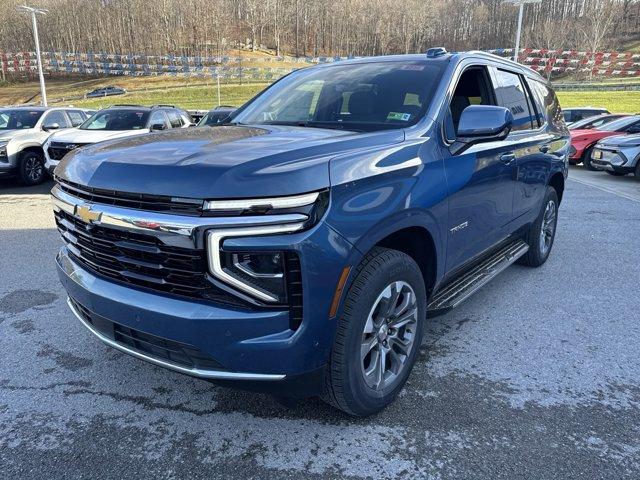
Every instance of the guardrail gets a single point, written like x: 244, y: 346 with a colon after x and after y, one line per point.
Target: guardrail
x: 596, y: 87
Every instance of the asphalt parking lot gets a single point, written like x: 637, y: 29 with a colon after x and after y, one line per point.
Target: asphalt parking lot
x: 535, y: 377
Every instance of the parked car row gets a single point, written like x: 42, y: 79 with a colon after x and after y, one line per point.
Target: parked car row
x: 609, y: 142
x: 33, y: 140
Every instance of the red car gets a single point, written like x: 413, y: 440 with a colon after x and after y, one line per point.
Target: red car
x: 583, y: 141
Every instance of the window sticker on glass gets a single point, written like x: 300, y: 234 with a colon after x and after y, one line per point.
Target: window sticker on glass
x: 399, y: 116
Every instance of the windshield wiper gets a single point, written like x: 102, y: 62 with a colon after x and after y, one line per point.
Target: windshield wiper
x: 317, y: 124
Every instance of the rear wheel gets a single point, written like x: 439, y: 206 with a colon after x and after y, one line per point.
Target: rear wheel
x: 543, y: 231
x: 31, y: 168
x: 378, y: 334
x: 586, y: 159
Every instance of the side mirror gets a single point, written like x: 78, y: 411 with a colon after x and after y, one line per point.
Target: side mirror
x: 51, y: 126
x: 484, y: 123
x: 156, y: 127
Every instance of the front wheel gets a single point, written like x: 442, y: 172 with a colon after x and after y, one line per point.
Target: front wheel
x: 378, y: 334
x: 543, y: 231
x: 31, y: 168
x: 586, y: 159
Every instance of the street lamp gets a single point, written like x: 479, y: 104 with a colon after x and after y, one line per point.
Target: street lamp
x: 520, y: 10
x: 33, y: 12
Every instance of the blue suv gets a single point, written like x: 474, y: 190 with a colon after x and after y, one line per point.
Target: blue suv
x: 300, y: 248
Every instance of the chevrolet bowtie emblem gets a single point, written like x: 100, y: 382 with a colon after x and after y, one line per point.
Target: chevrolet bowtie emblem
x: 86, y: 214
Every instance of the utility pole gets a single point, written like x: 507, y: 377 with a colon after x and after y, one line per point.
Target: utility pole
x: 33, y: 12
x: 520, y: 3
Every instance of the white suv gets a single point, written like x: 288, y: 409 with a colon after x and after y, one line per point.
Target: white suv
x: 23, y: 131
x: 111, y: 123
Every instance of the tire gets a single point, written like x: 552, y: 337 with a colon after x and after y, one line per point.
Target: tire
x: 636, y: 172
x: 31, y: 169
x: 586, y: 159
x: 352, y: 380
x: 615, y: 174
x: 539, y: 249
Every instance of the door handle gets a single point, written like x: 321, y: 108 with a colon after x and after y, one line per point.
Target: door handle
x: 507, y: 158
x: 545, y: 148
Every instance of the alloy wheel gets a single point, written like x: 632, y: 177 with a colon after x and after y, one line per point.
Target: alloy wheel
x: 33, y: 168
x: 548, y: 227
x: 389, y: 335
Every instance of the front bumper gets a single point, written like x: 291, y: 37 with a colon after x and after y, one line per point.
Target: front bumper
x: 610, y: 160
x: 253, y: 347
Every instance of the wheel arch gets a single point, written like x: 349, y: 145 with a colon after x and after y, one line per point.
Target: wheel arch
x: 416, y: 235
x: 556, y: 181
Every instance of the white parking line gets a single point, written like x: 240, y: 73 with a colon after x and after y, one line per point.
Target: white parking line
x: 606, y: 189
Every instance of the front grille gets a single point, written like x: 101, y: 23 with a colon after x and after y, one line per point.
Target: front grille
x: 140, y: 260
x: 138, y: 201
x: 151, y: 345
x: 57, y: 150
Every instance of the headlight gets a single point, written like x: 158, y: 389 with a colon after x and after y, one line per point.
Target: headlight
x: 261, y: 274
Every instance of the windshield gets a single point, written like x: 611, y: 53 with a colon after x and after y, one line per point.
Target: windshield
x: 113, y: 119
x: 19, y: 118
x: 619, y: 124
x: 214, y: 117
x: 596, y: 122
x: 361, y: 97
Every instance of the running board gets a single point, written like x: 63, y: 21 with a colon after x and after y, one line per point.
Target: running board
x: 463, y: 287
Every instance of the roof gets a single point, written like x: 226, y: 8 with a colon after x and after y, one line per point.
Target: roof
x: 443, y: 58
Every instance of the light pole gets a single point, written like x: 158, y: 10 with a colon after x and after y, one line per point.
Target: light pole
x: 33, y: 12
x: 520, y: 3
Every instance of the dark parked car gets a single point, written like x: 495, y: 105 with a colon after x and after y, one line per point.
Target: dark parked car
x: 216, y: 116
x: 572, y: 115
x: 106, y: 91
x: 300, y: 248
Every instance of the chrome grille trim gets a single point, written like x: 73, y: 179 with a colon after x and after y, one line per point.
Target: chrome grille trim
x: 144, y: 221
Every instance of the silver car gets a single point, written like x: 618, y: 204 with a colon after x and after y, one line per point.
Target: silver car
x: 618, y: 155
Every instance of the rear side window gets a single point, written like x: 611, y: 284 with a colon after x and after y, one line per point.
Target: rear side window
x: 76, y: 117
x: 512, y: 94
x: 545, y: 98
x: 174, y: 119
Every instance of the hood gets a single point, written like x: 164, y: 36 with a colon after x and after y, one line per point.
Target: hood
x: 11, y: 134
x: 590, y: 135
x: 75, y: 135
x: 621, y: 141
x: 218, y: 162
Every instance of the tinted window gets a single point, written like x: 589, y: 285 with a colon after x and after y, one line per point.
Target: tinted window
x: 17, y: 119
x: 174, y: 119
x: 76, y: 117
x: 116, y: 119
x: 513, y: 95
x: 360, y: 96
x: 156, y: 118
x: 214, y: 117
x: 545, y: 98
x: 58, y: 117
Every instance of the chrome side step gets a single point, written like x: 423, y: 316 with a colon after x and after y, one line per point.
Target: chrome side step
x: 463, y: 287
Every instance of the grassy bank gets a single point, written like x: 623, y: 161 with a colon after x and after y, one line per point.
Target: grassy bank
x: 623, y: 101
x: 187, y: 93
